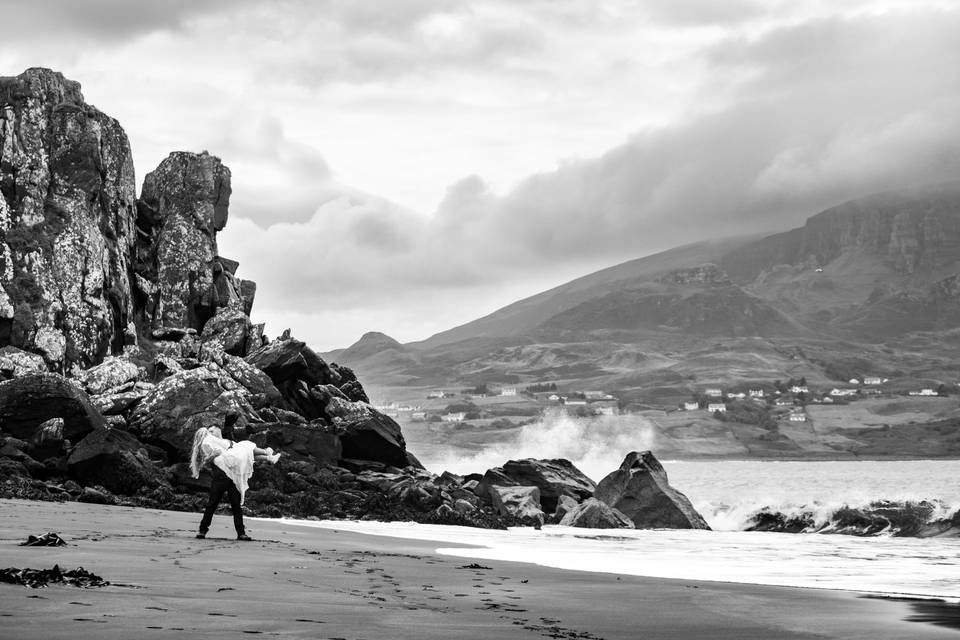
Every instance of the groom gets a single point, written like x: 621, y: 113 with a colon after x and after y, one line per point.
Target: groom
x: 219, y: 485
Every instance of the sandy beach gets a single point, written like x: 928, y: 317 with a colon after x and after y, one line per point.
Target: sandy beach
x: 301, y: 582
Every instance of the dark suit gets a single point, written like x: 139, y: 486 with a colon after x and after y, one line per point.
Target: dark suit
x: 219, y: 485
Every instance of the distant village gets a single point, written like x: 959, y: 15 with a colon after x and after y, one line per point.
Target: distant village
x: 462, y: 406
x: 779, y: 400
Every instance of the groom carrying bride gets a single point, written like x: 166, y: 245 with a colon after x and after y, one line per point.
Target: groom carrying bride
x: 231, y: 468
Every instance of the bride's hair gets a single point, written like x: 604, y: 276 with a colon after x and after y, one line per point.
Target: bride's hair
x: 196, y: 455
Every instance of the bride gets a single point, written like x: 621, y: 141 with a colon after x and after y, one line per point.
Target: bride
x: 235, y: 459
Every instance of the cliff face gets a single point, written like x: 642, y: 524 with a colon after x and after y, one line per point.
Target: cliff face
x: 66, y: 221
x: 914, y: 232
x: 85, y: 267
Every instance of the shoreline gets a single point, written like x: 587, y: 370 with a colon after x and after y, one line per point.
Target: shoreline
x: 295, y: 581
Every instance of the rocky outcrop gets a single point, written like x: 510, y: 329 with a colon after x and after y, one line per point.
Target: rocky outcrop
x: 114, y: 460
x: 149, y: 329
x: 29, y: 401
x: 594, y: 514
x: 915, y: 231
x: 520, y: 503
x: 183, y: 204
x: 173, y: 410
x: 67, y: 210
x: 16, y: 362
x: 554, y: 478
x: 639, y: 489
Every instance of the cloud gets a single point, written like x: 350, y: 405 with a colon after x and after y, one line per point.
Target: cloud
x: 799, y: 118
x: 102, y: 20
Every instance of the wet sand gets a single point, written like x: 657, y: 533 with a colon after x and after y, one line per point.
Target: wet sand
x: 301, y: 582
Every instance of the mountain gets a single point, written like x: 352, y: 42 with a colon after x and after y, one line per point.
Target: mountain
x: 522, y: 316
x: 818, y: 300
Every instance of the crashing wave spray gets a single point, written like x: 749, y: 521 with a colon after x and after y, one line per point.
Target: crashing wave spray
x: 595, y: 445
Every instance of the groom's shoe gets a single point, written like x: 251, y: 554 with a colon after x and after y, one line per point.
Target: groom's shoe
x: 244, y: 537
x: 201, y: 535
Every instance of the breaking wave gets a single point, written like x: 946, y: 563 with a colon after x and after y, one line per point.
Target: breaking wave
x: 896, y: 518
x: 594, y: 445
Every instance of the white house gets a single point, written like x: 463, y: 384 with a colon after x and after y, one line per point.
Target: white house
x: 798, y: 417
x: 608, y: 410
x: 508, y: 391
x: 853, y: 381
x: 842, y: 393
x: 713, y: 393
x: 690, y: 406
x: 784, y: 402
x: 418, y: 416
x: 554, y: 398
x: 927, y: 392
x: 717, y: 406
x: 434, y: 394
x: 799, y: 389
x: 574, y: 402
x: 737, y: 396
x: 756, y: 393
x: 457, y: 416
x: 873, y: 380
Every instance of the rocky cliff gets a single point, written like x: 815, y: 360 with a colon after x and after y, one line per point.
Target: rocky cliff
x: 67, y: 215
x: 123, y: 331
x: 913, y: 231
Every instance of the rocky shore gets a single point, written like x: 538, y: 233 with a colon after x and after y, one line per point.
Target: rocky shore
x: 123, y: 330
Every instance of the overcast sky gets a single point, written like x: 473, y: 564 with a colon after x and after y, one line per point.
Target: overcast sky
x: 409, y: 165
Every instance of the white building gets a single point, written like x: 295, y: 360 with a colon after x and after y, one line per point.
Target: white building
x: 717, y: 406
x: 842, y: 393
x: 927, y: 392
x: 554, y: 398
x: 853, y: 381
x: 508, y: 391
x: 799, y: 389
x: 736, y: 396
x: 574, y: 402
x: 607, y: 410
x: 873, y: 380
x: 798, y: 417
x: 756, y: 393
x: 713, y: 393
x: 690, y: 406
x: 454, y: 417
x: 784, y: 402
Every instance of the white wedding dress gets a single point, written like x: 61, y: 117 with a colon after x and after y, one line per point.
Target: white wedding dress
x: 236, y: 461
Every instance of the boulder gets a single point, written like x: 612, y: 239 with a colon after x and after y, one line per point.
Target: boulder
x: 15, y: 362
x: 114, y: 404
x: 593, y: 514
x: 376, y: 438
x: 111, y: 373
x: 28, y: 401
x: 564, y: 505
x: 249, y: 377
x: 48, y: 439
x: 114, y: 460
x: 640, y: 490
x: 227, y: 331
x: 523, y: 503
x: 294, y: 368
x: 310, y: 441
x: 172, y: 411
x: 67, y: 230
x: 555, y: 478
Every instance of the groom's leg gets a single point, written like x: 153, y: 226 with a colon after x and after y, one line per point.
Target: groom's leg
x: 218, y: 485
x: 233, y: 494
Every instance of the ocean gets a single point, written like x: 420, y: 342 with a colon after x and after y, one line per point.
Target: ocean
x: 728, y: 493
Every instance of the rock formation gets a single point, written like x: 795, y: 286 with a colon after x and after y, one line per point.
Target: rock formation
x: 553, y: 478
x: 594, y: 514
x: 67, y: 216
x: 639, y: 489
x: 148, y: 330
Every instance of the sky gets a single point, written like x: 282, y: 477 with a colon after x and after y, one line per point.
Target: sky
x: 411, y: 165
